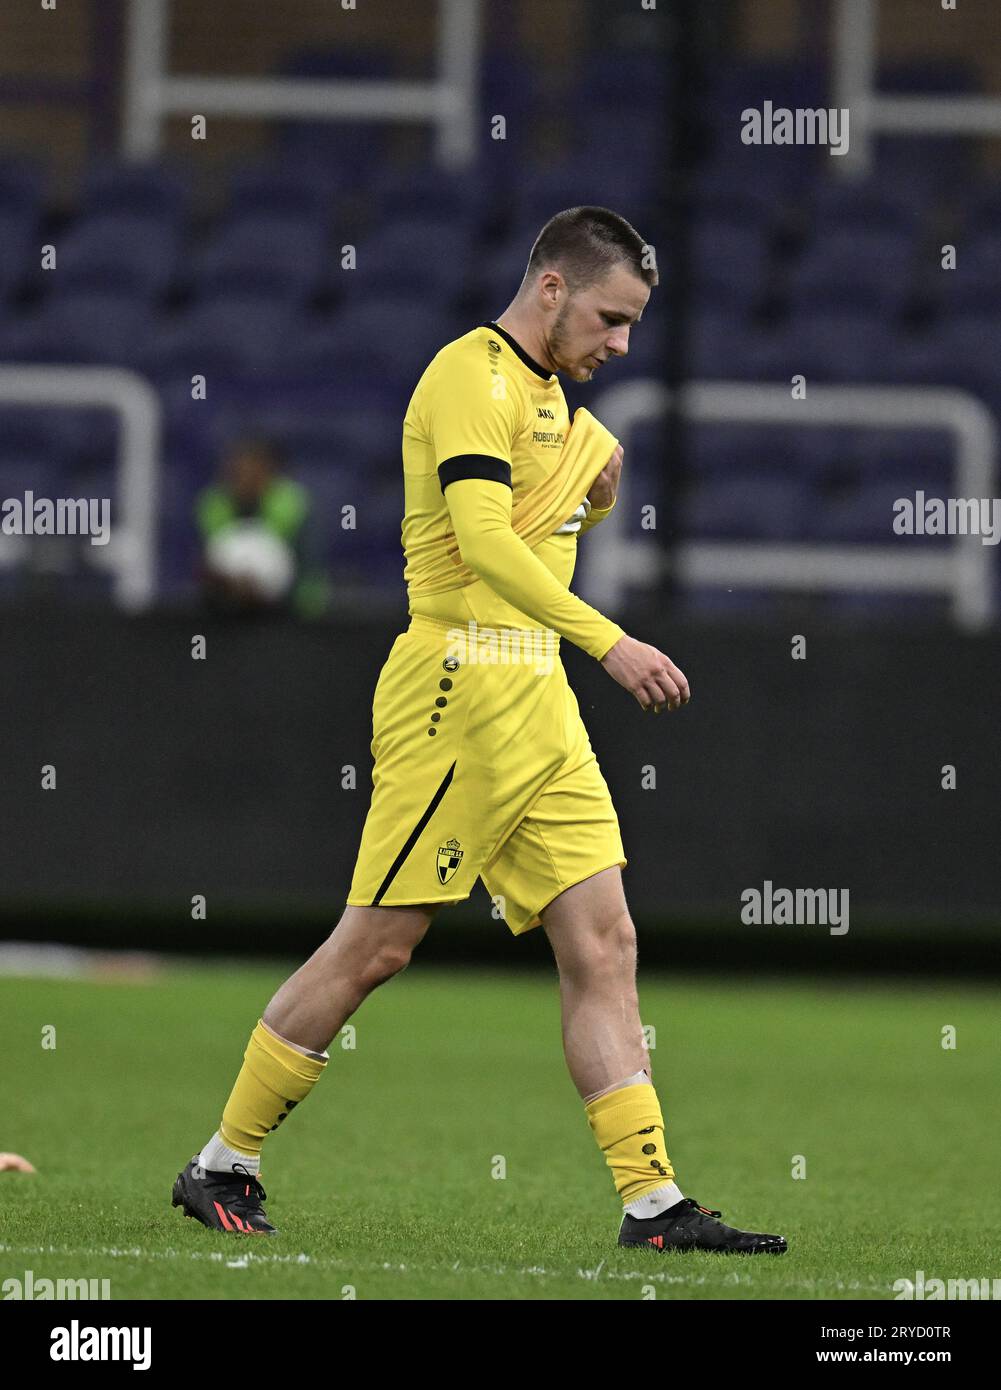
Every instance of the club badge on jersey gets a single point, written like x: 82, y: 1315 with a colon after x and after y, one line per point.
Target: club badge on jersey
x: 573, y: 522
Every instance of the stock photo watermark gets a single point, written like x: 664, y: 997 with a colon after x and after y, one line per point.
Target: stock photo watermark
x: 76, y: 1343
x: 930, y: 1287
x: 61, y: 516
x: 803, y: 125
x: 488, y: 646
x: 35, y: 1288
x: 951, y: 516
x: 799, y: 907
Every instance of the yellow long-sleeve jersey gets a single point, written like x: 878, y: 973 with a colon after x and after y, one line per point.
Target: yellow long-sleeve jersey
x: 486, y: 424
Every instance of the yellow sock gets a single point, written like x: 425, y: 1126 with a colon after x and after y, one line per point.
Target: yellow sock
x: 629, y: 1129
x: 273, y: 1080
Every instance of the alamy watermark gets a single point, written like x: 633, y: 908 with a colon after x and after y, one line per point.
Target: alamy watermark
x: 795, y: 907
x: 507, y: 646
x: 31, y: 1287
x: 921, y: 1288
x: 803, y: 125
x: 61, y: 516
x: 950, y: 516
x: 76, y: 1343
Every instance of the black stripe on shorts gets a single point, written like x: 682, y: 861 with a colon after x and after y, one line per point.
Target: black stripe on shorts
x: 495, y: 470
x: 414, y: 835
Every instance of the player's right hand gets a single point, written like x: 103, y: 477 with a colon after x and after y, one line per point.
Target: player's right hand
x: 648, y: 674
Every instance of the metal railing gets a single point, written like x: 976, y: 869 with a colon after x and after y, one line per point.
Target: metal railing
x: 448, y: 102
x: 131, y: 553
x: 963, y: 571
x: 856, y: 24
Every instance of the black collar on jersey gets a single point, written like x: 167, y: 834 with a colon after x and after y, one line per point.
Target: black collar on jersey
x: 518, y: 350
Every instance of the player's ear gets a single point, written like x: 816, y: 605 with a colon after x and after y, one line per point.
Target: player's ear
x: 551, y: 284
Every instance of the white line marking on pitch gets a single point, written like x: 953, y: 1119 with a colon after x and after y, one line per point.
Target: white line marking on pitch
x: 249, y: 1259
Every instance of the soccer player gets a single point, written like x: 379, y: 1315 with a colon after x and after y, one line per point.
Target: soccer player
x: 483, y: 767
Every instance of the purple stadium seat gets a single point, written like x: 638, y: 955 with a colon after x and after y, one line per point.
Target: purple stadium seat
x: 728, y: 264
x: 960, y: 351
x: 78, y: 328
x: 758, y: 506
x: 863, y: 514
x: 917, y: 458
x: 974, y: 286
x: 229, y: 334
x: 426, y: 259
x: 819, y: 451
x: 73, y: 437
x: 841, y: 345
x: 336, y: 437
x: 40, y: 472
x: 605, y: 70
x: 429, y: 194
x: 511, y: 86
x: 384, y: 342
x: 344, y: 152
x: 116, y: 253
x: 718, y: 198
x: 873, y: 205
x: 30, y: 445
x: 497, y: 277
x: 20, y: 247
x: 933, y: 168
x: 732, y: 450
x: 266, y: 188
x: 983, y: 210
x: 723, y: 345
x: 155, y: 190
x: 610, y: 179
x: 378, y: 500
x: 21, y: 187
x: 624, y: 144
x: 283, y: 256
x: 854, y: 269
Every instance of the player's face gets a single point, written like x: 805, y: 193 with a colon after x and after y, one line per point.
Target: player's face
x: 593, y: 324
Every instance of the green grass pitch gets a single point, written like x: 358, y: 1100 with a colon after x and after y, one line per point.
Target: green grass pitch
x: 382, y: 1182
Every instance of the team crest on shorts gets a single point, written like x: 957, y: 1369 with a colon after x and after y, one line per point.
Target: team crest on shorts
x: 451, y: 663
x: 449, y: 855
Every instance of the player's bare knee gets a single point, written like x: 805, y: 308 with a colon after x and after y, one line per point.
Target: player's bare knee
x: 385, y: 962
x: 603, y: 948
x: 625, y: 938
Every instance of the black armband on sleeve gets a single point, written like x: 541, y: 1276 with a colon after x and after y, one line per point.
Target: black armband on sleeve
x: 494, y: 470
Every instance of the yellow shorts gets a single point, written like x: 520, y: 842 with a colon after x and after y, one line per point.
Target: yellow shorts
x: 482, y: 769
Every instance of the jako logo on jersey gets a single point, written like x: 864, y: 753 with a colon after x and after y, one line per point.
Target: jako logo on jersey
x: 449, y: 855
x: 544, y: 414
x: 451, y: 663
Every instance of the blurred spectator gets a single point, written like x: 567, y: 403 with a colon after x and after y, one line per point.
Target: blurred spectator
x: 259, y: 537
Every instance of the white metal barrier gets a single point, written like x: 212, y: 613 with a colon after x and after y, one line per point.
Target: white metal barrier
x: 449, y: 102
x: 964, y: 570
x: 856, y: 25
x: 132, y: 551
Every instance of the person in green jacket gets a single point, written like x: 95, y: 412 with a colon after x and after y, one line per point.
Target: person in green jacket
x: 259, y: 537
